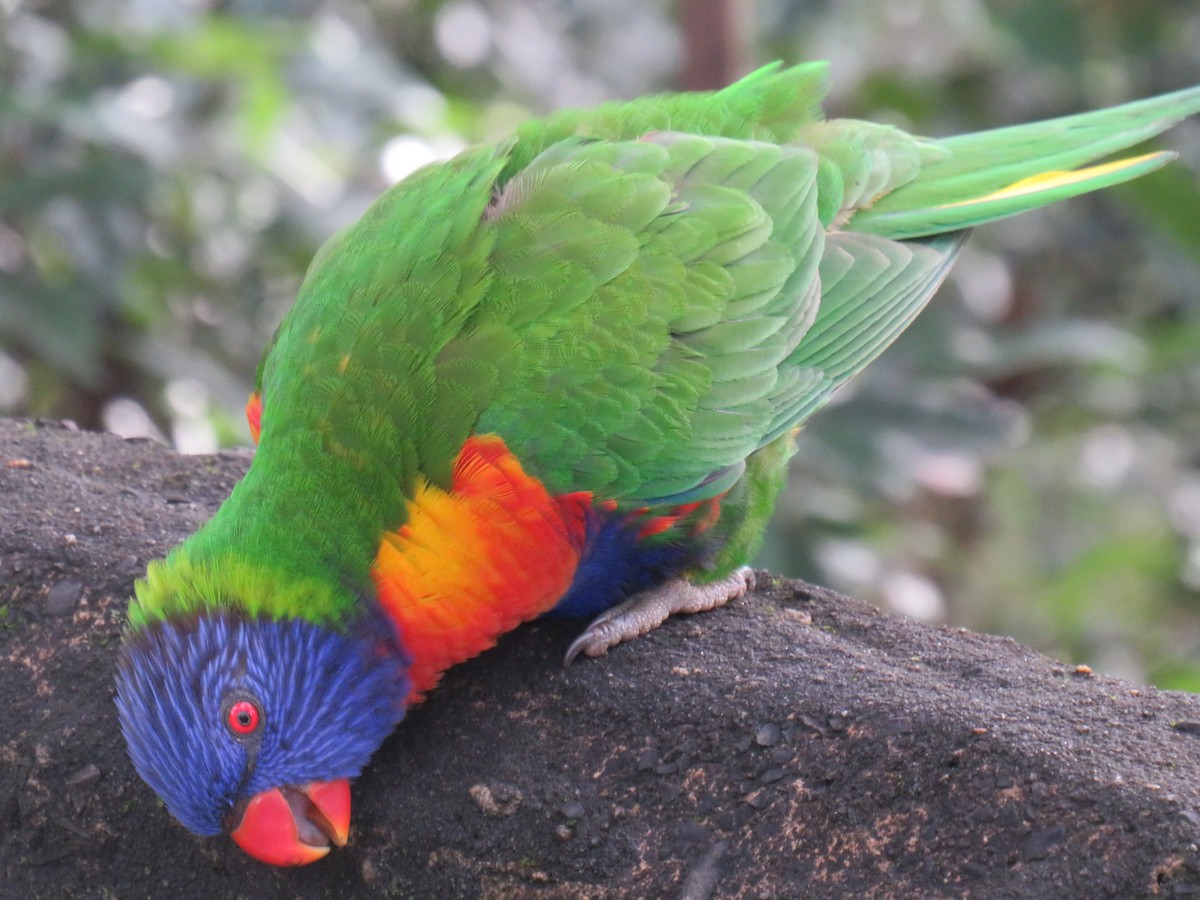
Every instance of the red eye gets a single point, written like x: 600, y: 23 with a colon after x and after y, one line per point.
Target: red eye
x: 243, y: 718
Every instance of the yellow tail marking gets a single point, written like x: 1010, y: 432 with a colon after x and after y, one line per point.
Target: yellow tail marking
x: 1045, y: 181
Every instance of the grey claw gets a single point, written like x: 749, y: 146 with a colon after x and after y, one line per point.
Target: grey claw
x: 575, y: 649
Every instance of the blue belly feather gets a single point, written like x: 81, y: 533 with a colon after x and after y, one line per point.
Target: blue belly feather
x: 617, y: 563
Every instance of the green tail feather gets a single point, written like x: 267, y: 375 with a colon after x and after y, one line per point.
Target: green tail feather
x: 1005, y: 171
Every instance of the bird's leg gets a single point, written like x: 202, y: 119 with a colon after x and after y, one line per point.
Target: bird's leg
x: 645, y: 611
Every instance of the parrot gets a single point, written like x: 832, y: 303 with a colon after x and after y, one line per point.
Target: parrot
x: 556, y: 375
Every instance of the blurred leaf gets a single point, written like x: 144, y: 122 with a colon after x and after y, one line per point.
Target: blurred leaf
x: 58, y: 323
x: 1170, y: 202
x: 248, y: 58
x: 1123, y: 570
x: 223, y: 44
x: 1052, y: 31
x: 1177, y: 675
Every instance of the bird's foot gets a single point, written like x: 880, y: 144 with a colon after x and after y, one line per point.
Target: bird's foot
x: 644, y: 612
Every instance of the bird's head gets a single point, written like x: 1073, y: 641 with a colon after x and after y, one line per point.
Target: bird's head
x: 254, y: 726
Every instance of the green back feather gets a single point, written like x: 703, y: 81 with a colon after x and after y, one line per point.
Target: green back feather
x: 772, y: 104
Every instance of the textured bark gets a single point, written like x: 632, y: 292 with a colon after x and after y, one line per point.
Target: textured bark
x: 714, y: 41
x: 796, y: 743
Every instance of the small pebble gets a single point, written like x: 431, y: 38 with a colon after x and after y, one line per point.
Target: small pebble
x: 648, y: 760
x: 1039, y: 844
x: 63, y: 597
x: 758, y: 799
x: 369, y: 873
x: 89, y: 774
x: 573, y: 809
x: 1190, y: 816
x: 768, y: 735
x: 497, y: 799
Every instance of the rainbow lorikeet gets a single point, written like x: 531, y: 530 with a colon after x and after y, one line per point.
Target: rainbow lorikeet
x: 558, y: 375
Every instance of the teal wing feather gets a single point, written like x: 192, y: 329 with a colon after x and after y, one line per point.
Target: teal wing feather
x: 655, y: 287
x: 679, y: 305
x: 871, y: 290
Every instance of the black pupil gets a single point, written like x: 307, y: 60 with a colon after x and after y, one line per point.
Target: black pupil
x: 243, y: 718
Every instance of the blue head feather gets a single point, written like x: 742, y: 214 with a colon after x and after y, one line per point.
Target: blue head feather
x: 328, y: 700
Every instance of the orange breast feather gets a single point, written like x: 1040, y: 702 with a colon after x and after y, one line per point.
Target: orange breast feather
x: 474, y: 562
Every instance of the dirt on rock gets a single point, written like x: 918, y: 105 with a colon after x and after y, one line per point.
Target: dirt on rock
x: 798, y: 743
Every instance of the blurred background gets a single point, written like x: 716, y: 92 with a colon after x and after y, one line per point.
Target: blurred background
x: 1025, y: 460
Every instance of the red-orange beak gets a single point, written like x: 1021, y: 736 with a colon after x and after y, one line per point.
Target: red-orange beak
x: 293, y: 826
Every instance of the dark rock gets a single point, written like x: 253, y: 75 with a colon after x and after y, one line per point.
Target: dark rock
x: 768, y: 735
x: 701, y: 880
x: 63, y: 598
x: 1039, y: 843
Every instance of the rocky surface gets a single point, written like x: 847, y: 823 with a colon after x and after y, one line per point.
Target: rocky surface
x: 798, y: 743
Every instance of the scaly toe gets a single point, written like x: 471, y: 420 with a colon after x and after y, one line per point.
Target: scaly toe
x: 644, y: 612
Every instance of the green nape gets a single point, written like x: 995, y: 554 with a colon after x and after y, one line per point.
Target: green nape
x: 178, y: 587
x: 296, y: 539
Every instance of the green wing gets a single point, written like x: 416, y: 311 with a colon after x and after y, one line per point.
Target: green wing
x: 677, y: 305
